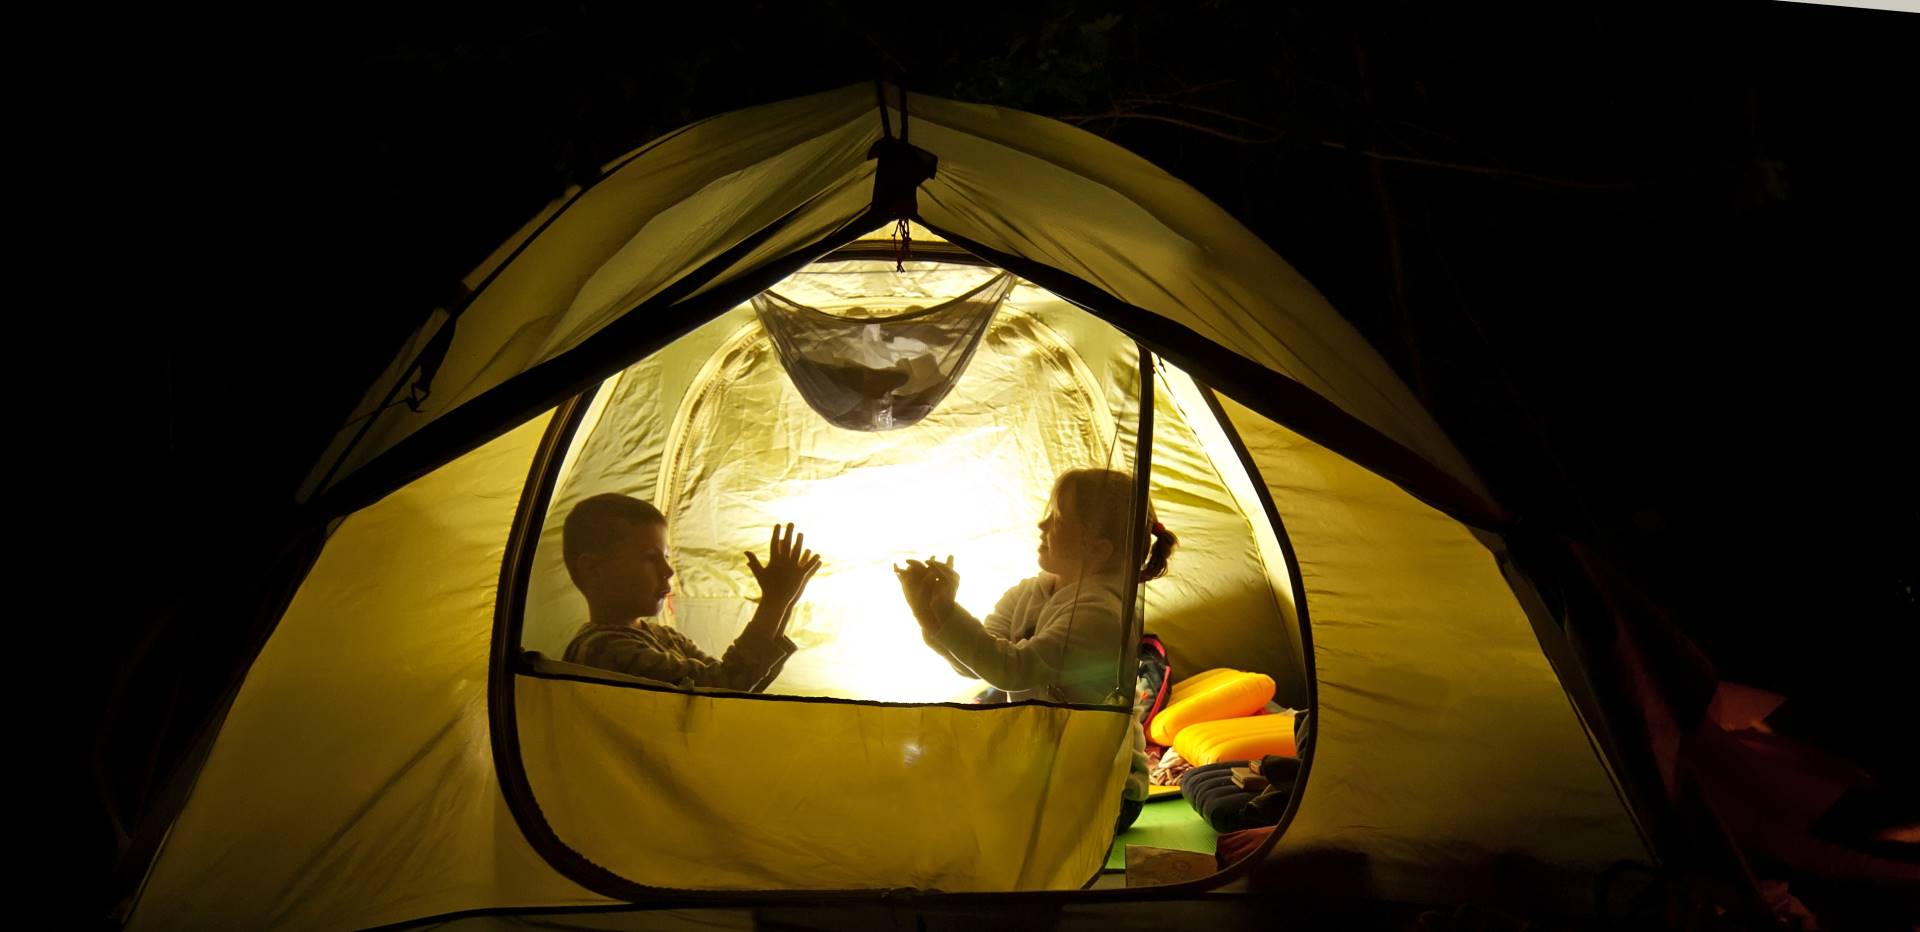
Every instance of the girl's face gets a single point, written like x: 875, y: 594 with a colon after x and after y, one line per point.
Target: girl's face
x: 1067, y: 548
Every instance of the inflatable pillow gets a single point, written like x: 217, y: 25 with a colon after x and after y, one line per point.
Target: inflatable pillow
x: 1209, y: 696
x: 1236, y: 739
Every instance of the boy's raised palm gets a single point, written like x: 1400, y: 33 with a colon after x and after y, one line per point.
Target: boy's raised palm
x: 788, y: 568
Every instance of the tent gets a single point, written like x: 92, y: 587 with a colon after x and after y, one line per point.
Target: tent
x: 405, y: 745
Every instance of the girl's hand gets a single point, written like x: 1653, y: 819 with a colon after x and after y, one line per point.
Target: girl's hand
x: 929, y: 586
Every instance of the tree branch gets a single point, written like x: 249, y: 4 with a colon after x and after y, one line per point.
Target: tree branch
x: 1480, y: 169
x: 1130, y: 109
x: 1118, y: 114
x: 1185, y: 90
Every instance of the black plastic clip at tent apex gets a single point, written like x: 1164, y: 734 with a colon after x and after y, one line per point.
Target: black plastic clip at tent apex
x: 902, y: 167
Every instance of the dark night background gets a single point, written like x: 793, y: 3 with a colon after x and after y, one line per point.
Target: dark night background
x: 1653, y: 272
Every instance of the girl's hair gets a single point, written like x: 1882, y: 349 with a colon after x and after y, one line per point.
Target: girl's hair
x: 1100, y: 500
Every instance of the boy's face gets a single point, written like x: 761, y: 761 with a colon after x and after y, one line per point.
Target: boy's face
x: 629, y: 579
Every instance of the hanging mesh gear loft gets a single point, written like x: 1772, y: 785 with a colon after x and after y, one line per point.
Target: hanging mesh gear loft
x: 870, y: 374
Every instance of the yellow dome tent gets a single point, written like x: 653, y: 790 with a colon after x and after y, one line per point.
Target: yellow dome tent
x: 406, y: 746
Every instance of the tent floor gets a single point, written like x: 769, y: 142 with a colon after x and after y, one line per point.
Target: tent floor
x: 1164, y: 823
x: 1219, y: 911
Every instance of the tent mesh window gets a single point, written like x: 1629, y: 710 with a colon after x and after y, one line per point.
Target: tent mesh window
x: 879, y: 373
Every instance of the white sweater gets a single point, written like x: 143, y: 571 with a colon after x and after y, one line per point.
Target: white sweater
x: 1039, y: 642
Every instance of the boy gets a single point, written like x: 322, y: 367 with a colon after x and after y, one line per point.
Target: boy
x: 615, y: 548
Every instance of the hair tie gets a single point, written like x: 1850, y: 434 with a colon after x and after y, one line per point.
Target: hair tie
x: 1159, y: 528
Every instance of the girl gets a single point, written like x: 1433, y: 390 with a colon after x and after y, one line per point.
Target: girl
x: 1055, y: 636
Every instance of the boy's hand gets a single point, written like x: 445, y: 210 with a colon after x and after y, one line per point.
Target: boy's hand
x: 929, y: 586
x: 789, y: 566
